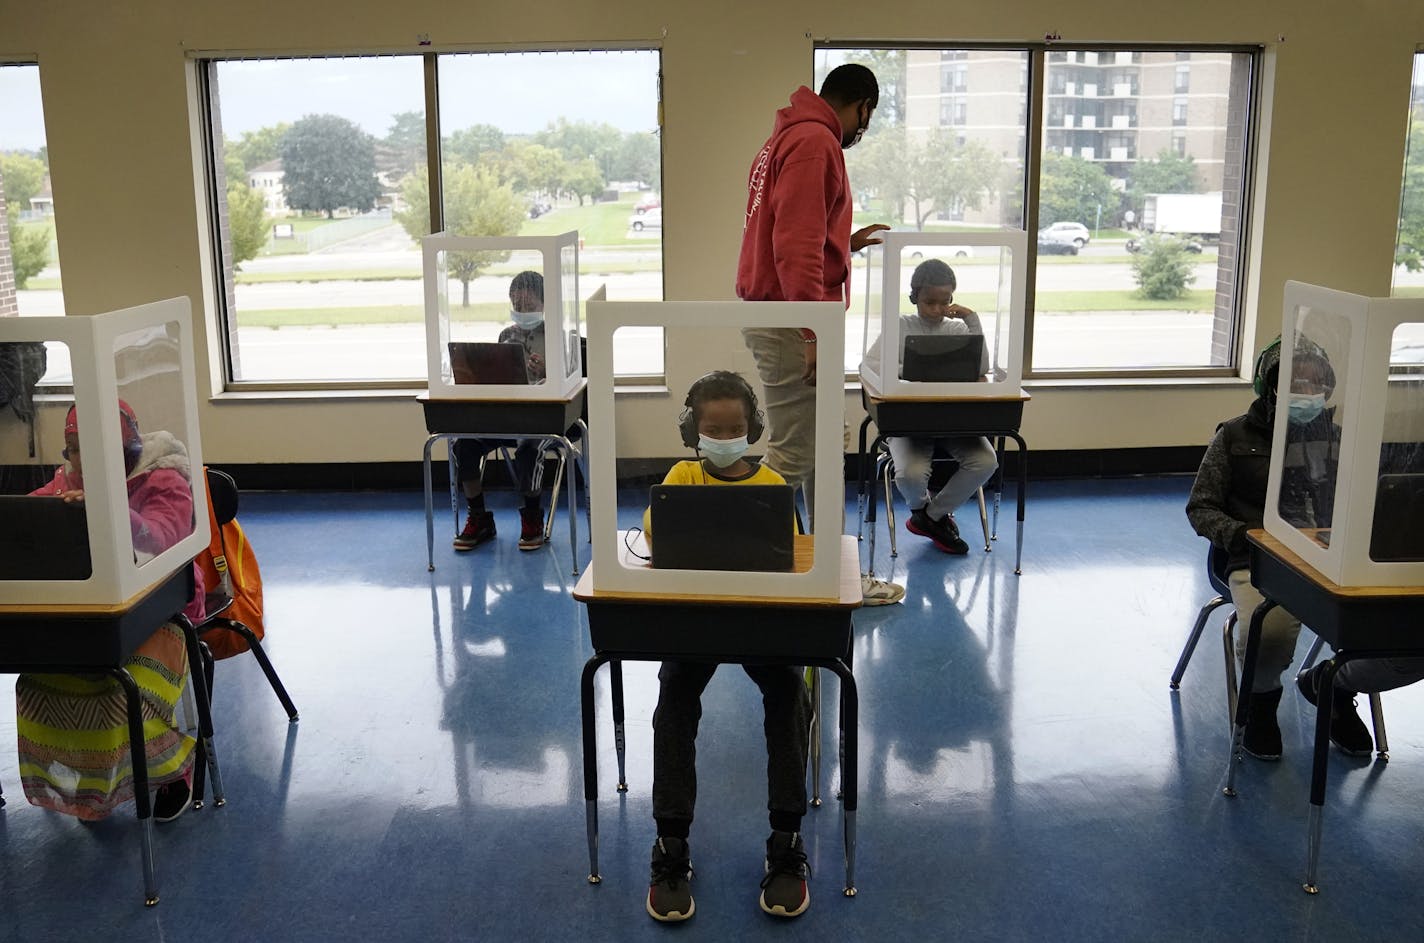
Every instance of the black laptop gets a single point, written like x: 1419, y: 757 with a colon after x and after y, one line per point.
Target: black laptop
x: 482, y: 362
x: 43, y: 538
x: 1397, y: 534
x: 943, y: 358
x: 723, y: 527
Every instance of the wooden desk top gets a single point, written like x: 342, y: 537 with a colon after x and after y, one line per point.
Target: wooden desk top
x: 506, y: 400
x: 875, y: 396
x: 849, y: 596
x: 1290, y: 558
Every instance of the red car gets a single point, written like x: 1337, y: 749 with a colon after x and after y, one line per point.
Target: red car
x: 651, y: 203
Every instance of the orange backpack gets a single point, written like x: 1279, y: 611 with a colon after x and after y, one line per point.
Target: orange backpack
x: 230, y: 568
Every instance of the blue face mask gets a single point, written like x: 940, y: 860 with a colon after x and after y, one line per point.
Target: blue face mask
x: 722, y: 452
x: 527, y: 320
x: 1304, y: 407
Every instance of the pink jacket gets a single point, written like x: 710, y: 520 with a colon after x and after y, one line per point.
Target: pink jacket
x: 796, y: 238
x: 160, y: 502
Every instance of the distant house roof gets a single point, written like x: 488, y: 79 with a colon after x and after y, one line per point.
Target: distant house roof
x: 267, y: 167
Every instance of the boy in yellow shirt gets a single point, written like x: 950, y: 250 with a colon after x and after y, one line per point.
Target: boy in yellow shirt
x: 720, y: 421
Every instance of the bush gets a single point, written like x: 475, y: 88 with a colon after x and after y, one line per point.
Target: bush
x: 1162, y: 269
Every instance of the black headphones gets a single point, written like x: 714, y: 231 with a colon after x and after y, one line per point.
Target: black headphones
x: 1258, y: 382
x: 687, y: 420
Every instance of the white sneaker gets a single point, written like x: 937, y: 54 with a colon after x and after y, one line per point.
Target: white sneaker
x: 875, y: 592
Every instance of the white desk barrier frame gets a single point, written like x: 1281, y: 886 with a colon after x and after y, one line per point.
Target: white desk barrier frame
x: 560, y: 270
x: 880, y: 371
x: 613, y: 569
x: 1358, y: 335
x: 93, y: 344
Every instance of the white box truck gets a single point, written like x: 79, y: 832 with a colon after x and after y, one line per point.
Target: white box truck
x: 1183, y: 214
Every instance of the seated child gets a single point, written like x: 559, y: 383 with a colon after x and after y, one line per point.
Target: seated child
x: 1228, y: 498
x: 526, y: 299
x: 720, y: 420
x: 73, y: 731
x: 932, y: 289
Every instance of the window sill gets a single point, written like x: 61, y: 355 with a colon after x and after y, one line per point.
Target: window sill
x: 400, y: 394
x: 1143, y: 383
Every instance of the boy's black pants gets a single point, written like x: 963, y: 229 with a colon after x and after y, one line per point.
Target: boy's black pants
x: 787, y: 722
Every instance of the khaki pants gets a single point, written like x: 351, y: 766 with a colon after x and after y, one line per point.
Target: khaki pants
x: 789, y: 403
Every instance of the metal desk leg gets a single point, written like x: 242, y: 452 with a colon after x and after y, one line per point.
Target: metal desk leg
x: 1023, y: 494
x: 138, y: 757
x: 205, y: 714
x: 2, y: 797
x: 815, y: 737
x: 620, y: 742
x: 590, y: 764
x: 1243, y: 700
x: 869, y: 516
x: 860, y: 477
x: 429, y: 506
x: 998, y: 483
x: 849, y: 719
x: 1323, y: 702
x: 573, y: 503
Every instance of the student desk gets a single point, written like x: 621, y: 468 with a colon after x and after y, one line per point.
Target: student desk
x: 92, y: 639
x: 661, y: 627
x: 1357, y: 621
x: 548, y: 419
x: 994, y: 417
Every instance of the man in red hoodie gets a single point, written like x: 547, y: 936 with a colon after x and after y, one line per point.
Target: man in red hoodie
x: 796, y: 246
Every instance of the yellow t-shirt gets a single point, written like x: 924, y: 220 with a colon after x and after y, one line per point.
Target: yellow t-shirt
x: 704, y: 473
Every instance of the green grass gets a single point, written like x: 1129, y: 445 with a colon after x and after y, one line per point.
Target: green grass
x: 378, y: 314
x: 1203, y: 300
x: 330, y: 275
x: 42, y: 284
x: 1409, y: 291
x: 598, y: 224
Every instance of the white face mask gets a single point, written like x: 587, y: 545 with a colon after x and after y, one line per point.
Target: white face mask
x: 722, y: 452
x: 527, y: 320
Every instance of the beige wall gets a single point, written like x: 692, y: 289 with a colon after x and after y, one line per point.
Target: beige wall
x: 118, y: 118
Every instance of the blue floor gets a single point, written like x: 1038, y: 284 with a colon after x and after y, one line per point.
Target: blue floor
x: 1025, y: 771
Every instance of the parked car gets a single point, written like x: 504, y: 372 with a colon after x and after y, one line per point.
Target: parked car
x: 648, y: 219
x: 538, y: 209
x: 1051, y: 243
x: 1190, y: 245
x: 1075, y: 233
x: 651, y: 203
x: 958, y: 252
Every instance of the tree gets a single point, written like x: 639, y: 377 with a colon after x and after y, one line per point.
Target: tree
x: 247, y: 220
x: 258, y: 147
x: 577, y: 140
x: 1410, y: 248
x: 639, y: 158
x: 534, y: 167
x: 472, y: 145
x: 24, y: 178
x: 1162, y: 268
x: 476, y: 204
x: 1072, y: 189
x: 329, y: 163
x: 584, y: 180
x: 1169, y: 173
x: 405, y: 141
x: 946, y: 175
x: 881, y: 165
x: 889, y: 68
x: 29, y: 250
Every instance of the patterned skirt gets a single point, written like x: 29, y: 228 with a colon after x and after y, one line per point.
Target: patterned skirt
x: 74, y: 733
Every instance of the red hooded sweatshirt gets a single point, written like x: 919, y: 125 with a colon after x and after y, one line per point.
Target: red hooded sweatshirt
x: 796, y: 238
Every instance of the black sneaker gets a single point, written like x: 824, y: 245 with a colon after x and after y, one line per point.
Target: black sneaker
x: 1262, y: 738
x: 531, y: 528
x: 172, y: 800
x: 670, y: 884
x: 479, y: 528
x: 944, y: 533
x: 1347, y: 730
x: 783, y: 890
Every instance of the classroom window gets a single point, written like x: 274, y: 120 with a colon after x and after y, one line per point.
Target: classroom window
x: 29, y: 256
x: 1409, y: 245
x: 1117, y: 160
x: 323, y: 281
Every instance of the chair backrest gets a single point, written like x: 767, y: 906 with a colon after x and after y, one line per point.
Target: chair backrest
x: 1216, y: 561
x: 222, y: 491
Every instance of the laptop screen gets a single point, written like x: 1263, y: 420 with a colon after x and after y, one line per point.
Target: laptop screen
x: 723, y: 527
x: 487, y: 363
x: 943, y: 358
x: 43, y: 539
